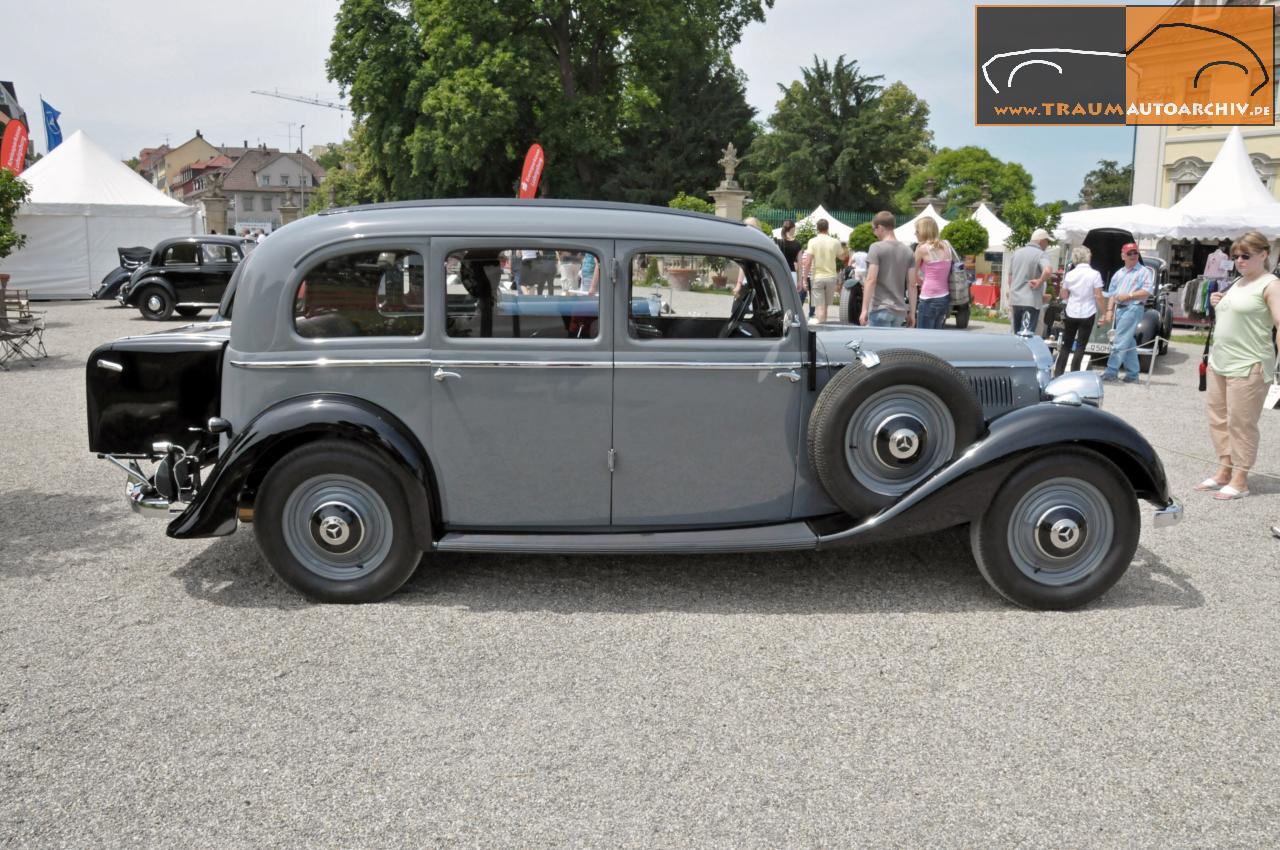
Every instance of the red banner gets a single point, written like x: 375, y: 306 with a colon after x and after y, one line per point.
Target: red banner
x: 532, y: 172
x: 13, y: 148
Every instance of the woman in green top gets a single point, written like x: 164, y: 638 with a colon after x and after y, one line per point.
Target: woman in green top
x: 1241, y: 364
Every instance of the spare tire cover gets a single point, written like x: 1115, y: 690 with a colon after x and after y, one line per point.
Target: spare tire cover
x: 875, y: 433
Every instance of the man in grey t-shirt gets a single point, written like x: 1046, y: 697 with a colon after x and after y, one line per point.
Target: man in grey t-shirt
x: 1028, y: 270
x: 891, y: 279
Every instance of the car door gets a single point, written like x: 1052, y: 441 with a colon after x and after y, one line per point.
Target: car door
x: 706, y: 425
x: 182, y: 271
x: 522, y: 403
x: 218, y: 262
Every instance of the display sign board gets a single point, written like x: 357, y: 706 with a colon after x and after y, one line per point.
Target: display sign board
x: 13, y: 147
x: 532, y: 172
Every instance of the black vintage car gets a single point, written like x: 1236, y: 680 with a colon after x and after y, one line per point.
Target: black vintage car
x: 186, y: 274
x: 131, y: 259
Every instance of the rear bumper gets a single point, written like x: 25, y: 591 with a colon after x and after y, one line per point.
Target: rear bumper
x: 1170, y: 514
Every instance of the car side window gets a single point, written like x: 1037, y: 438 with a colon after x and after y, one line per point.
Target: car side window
x: 681, y: 296
x: 518, y: 293
x: 183, y: 253
x: 217, y: 253
x: 362, y: 294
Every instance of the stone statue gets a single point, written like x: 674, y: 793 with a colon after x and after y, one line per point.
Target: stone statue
x: 730, y: 163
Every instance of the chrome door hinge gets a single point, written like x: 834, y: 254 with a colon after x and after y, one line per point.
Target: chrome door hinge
x: 617, y: 271
x: 613, y: 459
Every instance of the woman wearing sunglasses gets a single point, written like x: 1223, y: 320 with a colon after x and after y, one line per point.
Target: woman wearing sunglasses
x: 1241, y: 365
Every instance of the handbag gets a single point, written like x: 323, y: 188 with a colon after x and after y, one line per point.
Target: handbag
x: 958, y: 280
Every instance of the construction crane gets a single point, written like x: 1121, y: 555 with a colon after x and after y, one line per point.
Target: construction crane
x: 314, y: 101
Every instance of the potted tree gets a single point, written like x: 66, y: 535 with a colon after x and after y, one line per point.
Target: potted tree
x: 14, y: 191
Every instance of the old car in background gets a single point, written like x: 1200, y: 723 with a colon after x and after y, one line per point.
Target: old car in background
x: 379, y: 390
x: 186, y: 274
x: 1156, y: 325
x: 131, y: 259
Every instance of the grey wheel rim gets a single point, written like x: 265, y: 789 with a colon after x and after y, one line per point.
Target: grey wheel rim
x: 155, y: 303
x: 337, y: 527
x: 897, y: 438
x: 1060, y: 531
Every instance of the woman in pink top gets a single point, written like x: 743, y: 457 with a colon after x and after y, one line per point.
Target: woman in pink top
x: 934, y: 258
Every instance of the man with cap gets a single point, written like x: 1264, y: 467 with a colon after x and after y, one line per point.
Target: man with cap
x: 1126, y: 298
x: 1028, y: 270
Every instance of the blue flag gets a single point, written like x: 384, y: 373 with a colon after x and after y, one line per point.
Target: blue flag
x: 52, y: 132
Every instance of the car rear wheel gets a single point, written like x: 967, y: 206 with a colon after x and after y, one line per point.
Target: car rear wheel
x: 1060, y: 531
x: 333, y: 523
x: 155, y: 303
x: 188, y: 312
x: 962, y: 317
x: 876, y: 432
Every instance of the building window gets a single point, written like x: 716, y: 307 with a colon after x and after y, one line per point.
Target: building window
x: 284, y: 179
x: 266, y: 203
x: 1180, y: 190
x: 248, y: 204
x: 264, y: 180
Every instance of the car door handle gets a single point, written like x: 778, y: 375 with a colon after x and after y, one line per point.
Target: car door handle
x: 791, y: 375
x: 441, y: 374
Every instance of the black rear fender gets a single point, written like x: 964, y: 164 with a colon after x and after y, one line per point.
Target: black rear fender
x: 147, y: 283
x: 234, y: 481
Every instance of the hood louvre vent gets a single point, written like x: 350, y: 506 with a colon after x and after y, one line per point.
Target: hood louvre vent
x: 995, y: 393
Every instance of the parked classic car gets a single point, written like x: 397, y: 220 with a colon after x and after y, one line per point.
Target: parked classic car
x: 1157, y: 320
x: 131, y: 259
x: 186, y: 274
x: 379, y: 391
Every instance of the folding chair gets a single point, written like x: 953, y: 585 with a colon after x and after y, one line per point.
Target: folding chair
x: 15, y: 342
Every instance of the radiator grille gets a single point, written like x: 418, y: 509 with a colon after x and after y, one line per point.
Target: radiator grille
x: 995, y: 393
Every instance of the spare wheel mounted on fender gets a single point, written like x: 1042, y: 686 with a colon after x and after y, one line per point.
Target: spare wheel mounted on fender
x: 876, y: 432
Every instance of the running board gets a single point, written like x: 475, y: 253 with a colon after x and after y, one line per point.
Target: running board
x: 766, y: 538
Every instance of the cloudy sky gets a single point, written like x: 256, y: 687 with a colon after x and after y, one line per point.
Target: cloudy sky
x: 133, y: 74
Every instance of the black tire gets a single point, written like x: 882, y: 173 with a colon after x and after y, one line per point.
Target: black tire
x: 962, y: 317
x: 354, y: 490
x: 188, y: 312
x: 1011, y: 549
x: 851, y: 304
x: 155, y: 303
x: 925, y: 414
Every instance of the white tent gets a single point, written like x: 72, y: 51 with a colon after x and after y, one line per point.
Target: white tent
x: 997, y: 230
x: 907, y: 232
x: 84, y: 204
x: 1229, y: 200
x: 1142, y: 220
x: 835, y: 227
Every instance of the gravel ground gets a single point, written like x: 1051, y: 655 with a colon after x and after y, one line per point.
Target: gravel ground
x: 163, y: 693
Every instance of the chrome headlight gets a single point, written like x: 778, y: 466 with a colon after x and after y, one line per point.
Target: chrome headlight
x: 1075, y: 388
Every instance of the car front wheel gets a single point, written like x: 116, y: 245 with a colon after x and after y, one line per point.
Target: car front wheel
x: 155, y: 303
x: 333, y: 523
x: 1059, y: 533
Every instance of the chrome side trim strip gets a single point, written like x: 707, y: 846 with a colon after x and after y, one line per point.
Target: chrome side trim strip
x: 707, y: 364
x: 201, y: 304
x: 327, y: 362
x: 321, y: 363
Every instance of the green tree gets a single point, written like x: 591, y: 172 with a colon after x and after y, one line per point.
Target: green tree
x: 967, y: 236
x: 452, y: 92
x: 348, y: 178
x: 688, y: 202
x: 14, y: 192
x: 959, y: 174
x: 1108, y: 185
x: 837, y: 137
x: 862, y: 237
x: 1023, y: 217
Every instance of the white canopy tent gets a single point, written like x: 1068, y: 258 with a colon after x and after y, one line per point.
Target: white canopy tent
x: 997, y: 231
x: 835, y: 227
x: 84, y: 204
x: 907, y: 232
x: 1142, y: 220
x: 1229, y: 200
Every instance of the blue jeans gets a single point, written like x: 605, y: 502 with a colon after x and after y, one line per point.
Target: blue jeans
x: 1123, y: 350
x: 932, y: 312
x: 884, y: 318
x: 1024, y: 318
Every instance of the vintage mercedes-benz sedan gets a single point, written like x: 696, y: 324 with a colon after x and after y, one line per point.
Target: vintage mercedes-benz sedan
x: 186, y: 274
x: 390, y: 382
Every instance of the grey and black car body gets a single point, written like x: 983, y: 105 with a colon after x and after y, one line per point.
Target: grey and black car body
x: 393, y: 383
x: 186, y: 274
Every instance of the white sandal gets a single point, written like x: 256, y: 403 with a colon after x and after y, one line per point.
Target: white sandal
x: 1209, y: 484
x: 1227, y: 493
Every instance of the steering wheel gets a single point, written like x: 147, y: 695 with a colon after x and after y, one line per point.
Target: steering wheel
x: 740, y: 307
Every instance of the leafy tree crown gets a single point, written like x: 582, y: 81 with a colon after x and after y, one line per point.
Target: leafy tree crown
x: 14, y: 192
x: 967, y: 236
x: 862, y: 237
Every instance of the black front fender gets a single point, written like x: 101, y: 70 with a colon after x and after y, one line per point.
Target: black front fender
x: 293, y: 422
x: 961, y: 491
